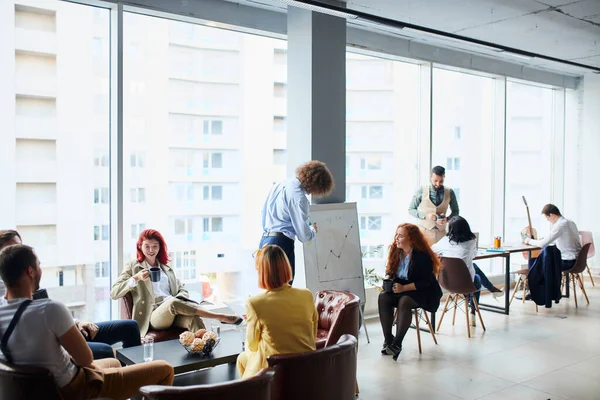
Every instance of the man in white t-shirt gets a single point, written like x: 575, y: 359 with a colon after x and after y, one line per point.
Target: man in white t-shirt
x: 564, y: 234
x: 99, y: 336
x: 46, y: 336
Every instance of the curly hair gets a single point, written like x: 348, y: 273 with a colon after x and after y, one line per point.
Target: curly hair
x: 151, y: 234
x: 315, y: 178
x: 418, y: 243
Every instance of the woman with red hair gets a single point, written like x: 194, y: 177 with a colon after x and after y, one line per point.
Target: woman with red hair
x: 413, y: 267
x: 165, y: 302
x: 280, y: 321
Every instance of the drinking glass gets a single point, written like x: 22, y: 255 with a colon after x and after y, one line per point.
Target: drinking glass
x: 216, y: 328
x: 148, y: 344
x: 242, y: 329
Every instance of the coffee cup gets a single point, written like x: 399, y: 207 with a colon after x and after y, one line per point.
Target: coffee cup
x: 387, y: 285
x: 155, y: 274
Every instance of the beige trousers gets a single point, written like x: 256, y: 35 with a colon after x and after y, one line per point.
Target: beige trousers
x: 119, y: 382
x: 433, y: 235
x: 176, y: 312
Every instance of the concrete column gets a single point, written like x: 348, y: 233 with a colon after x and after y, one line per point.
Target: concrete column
x: 317, y: 94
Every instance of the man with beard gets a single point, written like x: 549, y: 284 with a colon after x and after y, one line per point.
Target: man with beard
x: 430, y: 206
x: 99, y: 336
x: 42, y: 334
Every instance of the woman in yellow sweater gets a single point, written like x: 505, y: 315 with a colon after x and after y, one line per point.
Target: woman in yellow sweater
x: 281, y: 320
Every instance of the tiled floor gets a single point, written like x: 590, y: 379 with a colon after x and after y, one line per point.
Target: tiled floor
x: 554, y: 354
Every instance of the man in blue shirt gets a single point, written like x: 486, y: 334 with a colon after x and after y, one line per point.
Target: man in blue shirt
x: 285, y: 213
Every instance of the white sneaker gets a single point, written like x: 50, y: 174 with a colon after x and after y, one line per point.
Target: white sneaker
x: 473, y: 321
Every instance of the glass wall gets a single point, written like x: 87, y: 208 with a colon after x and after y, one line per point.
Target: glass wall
x: 205, y: 114
x: 55, y: 174
x: 529, y: 156
x: 203, y: 109
x: 382, y: 133
x: 462, y: 142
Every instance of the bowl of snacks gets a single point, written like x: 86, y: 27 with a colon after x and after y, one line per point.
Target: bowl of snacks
x: 202, y: 342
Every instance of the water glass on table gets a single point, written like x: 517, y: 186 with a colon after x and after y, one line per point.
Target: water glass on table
x: 148, y: 344
x: 215, y: 327
x: 242, y: 329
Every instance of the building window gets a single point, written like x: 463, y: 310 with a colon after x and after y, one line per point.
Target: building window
x: 372, y: 223
x: 102, y: 269
x: 453, y: 163
x: 372, y: 192
x: 372, y: 251
x: 101, y: 232
x: 212, y: 127
x: 212, y: 192
x: 183, y: 226
x: 457, y: 132
x: 136, y: 230
x: 371, y: 163
x: 212, y: 224
x: 182, y: 191
x: 136, y: 160
x: 212, y: 160
x: 101, y: 196
x: 137, y: 195
x: 100, y: 158
x: 185, y: 264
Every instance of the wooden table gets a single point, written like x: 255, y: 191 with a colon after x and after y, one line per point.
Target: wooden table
x: 173, y: 352
x: 508, y: 250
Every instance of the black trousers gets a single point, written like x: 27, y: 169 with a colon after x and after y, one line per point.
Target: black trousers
x: 287, y: 245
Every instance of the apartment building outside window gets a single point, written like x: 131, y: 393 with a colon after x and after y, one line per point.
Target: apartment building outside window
x: 212, y: 127
x: 102, y: 269
x: 101, y: 158
x: 213, y: 192
x: 370, y: 223
x: 101, y: 196
x: 101, y: 232
x: 212, y: 160
x: 185, y: 264
x: 370, y: 163
x: 372, y: 192
x: 136, y: 230
x: 137, y: 159
x: 212, y: 224
x: 137, y: 195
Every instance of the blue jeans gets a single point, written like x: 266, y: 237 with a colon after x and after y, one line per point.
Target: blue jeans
x: 479, y: 280
x: 111, y: 332
x: 287, y: 245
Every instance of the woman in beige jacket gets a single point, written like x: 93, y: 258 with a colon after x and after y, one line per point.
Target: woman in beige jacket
x: 164, y: 303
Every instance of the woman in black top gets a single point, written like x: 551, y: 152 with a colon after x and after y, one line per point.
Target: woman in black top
x: 413, y: 267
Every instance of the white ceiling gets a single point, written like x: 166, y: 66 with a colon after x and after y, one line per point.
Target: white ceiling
x: 568, y: 30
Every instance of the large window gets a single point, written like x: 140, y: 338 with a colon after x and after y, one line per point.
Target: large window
x: 529, y: 156
x: 194, y: 111
x: 204, y: 138
x: 382, y: 144
x: 57, y: 137
x: 462, y: 142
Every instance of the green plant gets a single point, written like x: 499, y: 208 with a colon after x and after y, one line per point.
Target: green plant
x: 371, y: 277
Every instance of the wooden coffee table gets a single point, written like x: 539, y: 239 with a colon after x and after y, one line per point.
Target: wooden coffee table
x: 173, y: 352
